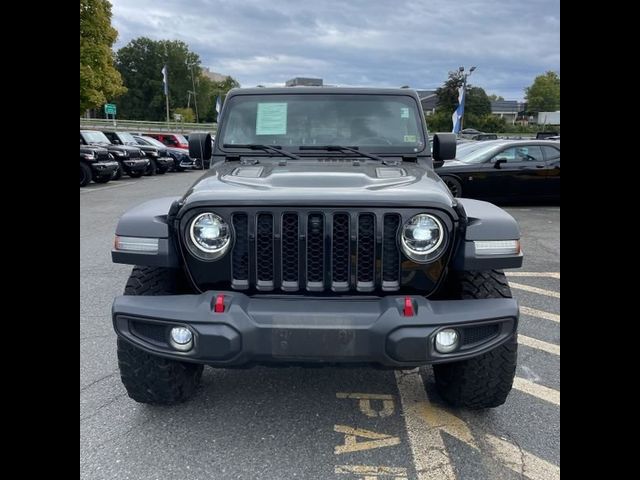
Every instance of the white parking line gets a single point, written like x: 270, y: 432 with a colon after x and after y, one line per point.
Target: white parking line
x: 425, y: 421
x: 539, y: 344
x: 430, y: 456
x: 99, y: 189
x: 544, y: 393
x: 540, y: 291
x: 534, y: 274
x: 534, y: 312
x: 521, y: 461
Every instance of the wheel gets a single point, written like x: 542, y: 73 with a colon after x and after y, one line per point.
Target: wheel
x: 207, y: 164
x: 454, y: 186
x: 152, y: 168
x: 117, y: 175
x: 163, y: 170
x: 149, y: 378
x: 85, y: 174
x: 484, y: 381
x: 101, y: 179
x: 136, y: 174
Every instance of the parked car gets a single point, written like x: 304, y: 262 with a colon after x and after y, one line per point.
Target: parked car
x: 131, y: 160
x: 174, y: 140
x: 546, y: 135
x: 159, y: 159
x: 504, y: 170
x: 336, y: 244
x: 96, y: 164
x: 179, y: 156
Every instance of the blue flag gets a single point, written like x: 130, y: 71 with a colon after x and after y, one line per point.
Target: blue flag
x: 218, y: 105
x: 165, y: 80
x: 457, y: 114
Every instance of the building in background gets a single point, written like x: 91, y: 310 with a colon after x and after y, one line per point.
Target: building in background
x: 429, y: 100
x: 303, y: 81
x: 216, y: 77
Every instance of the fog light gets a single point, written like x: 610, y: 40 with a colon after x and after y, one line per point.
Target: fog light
x: 181, y: 338
x: 446, y: 340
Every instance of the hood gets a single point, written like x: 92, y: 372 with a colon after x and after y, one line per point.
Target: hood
x: 321, y: 182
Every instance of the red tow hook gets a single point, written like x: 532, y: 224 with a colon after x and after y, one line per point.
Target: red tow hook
x: 219, y: 305
x: 408, y: 310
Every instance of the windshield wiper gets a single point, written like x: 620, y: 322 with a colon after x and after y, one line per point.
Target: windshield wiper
x: 340, y: 148
x: 267, y: 148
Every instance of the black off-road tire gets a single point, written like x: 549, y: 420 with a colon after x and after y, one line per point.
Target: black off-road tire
x: 454, y: 186
x: 149, y: 378
x: 151, y: 169
x: 103, y: 179
x: 85, y: 174
x: 136, y: 174
x: 484, y: 381
x: 117, y: 175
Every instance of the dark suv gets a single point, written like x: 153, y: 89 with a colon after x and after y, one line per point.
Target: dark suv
x: 97, y: 164
x: 131, y: 160
x: 320, y: 235
x: 159, y: 159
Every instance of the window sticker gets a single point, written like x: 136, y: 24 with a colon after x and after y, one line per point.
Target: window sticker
x: 404, y: 112
x: 410, y: 139
x: 271, y: 119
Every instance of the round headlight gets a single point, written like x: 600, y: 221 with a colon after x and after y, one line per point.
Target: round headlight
x: 422, y: 238
x: 210, y: 236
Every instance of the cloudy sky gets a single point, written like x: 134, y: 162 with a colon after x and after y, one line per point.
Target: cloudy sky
x: 358, y: 42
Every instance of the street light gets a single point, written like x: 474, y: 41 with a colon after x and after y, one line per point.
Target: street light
x: 464, y: 90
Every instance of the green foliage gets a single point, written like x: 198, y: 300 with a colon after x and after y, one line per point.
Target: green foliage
x: 141, y: 62
x: 544, y: 94
x: 476, y: 103
x: 100, y: 82
x: 188, y: 115
x: 495, y: 98
x: 439, y: 121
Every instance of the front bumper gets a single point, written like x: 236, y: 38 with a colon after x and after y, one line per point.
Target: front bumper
x: 164, y: 162
x: 298, y: 329
x: 104, y: 169
x: 135, y: 164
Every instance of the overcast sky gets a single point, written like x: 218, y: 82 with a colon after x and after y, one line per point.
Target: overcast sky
x: 358, y: 42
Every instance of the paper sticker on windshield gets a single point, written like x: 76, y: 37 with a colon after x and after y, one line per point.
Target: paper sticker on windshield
x: 271, y: 119
x: 404, y: 113
x: 410, y: 139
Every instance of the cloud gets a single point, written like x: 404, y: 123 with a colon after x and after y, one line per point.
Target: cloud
x: 360, y: 42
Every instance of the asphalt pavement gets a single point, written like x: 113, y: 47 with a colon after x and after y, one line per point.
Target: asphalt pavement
x: 314, y: 423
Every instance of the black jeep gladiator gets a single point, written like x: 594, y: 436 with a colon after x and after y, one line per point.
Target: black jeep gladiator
x: 159, y: 159
x: 96, y: 164
x: 321, y: 234
x: 131, y: 160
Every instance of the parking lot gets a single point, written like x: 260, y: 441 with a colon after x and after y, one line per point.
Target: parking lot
x: 314, y: 423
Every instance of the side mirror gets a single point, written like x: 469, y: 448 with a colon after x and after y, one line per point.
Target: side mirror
x: 499, y: 161
x: 200, y: 146
x: 444, y: 147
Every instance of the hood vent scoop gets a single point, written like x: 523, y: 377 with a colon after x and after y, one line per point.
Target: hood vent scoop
x: 248, y: 172
x: 382, y: 172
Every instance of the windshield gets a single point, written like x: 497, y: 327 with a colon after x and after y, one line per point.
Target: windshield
x: 153, y: 141
x: 127, y: 138
x: 381, y: 123
x: 95, y: 137
x: 475, y: 153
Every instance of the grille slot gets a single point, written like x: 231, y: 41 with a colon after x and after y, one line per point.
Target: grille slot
x: 315, y: 252
x: 340, y: 257
x: 240, y: 257
x: 149, y: 331
x: 264, y: 252
x: 390, y: 253
x: 290, y: 252
x: 366, y: 261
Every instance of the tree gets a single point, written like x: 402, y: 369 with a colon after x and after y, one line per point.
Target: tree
x: 544, y: 94
x: 476, y: 103
x: 100, y: 82
x: 188, y: 116
x: 141, y: 62
x: 495, y: 98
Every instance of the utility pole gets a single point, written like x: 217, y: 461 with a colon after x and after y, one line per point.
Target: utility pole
x: 464, y: 92
x: 195, y: 98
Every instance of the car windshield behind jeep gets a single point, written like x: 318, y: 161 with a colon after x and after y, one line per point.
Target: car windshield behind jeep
x: 381, y: 123
x: 127, y: 138
x: 91, y: 136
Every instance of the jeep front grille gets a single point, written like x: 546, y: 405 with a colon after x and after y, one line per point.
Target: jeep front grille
x: 316, y: 251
